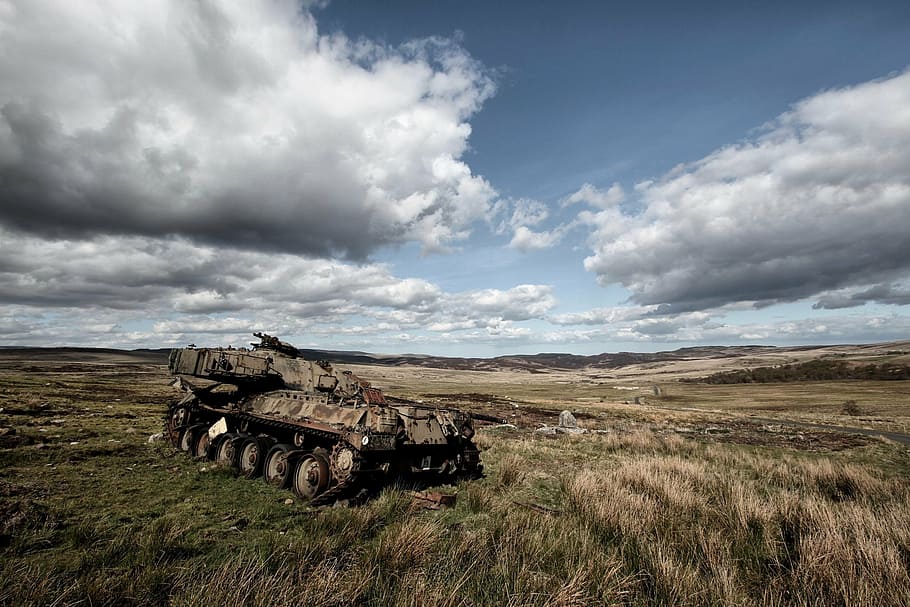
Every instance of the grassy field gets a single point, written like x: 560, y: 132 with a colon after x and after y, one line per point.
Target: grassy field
x: 680, y: 499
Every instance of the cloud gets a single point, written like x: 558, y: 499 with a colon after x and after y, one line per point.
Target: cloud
x: 883, y: 294
x: 588, y: 194
x: 188, y: 292
x: 523, y: 302
x: 526, y: 239
x: 602, y: 316
x: 712, y: 328
x: 526, y: 213
x: 139, y: 273
x: 820, y: 201
x: 234, y: 124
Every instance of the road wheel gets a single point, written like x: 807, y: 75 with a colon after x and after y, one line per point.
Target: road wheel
x: 251, y: 455
x: 224, y: 448
x: 188, y: 437
x: 277, y: 468
x: 311, y: 477
x: 203, y: 444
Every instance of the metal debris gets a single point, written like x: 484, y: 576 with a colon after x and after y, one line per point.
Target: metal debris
x: 432, y: 500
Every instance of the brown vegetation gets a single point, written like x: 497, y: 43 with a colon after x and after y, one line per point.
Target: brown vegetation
x: 667, y: 504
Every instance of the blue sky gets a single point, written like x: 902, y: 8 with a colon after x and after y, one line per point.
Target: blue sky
x: 464, y: 178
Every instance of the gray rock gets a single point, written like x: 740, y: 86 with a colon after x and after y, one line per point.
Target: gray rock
x: 567, y: 425
x: 567, y: 420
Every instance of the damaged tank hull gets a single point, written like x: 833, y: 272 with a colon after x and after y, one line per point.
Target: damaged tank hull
x: 305, y: 425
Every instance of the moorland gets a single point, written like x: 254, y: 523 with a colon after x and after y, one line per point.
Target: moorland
x: 681, y: 491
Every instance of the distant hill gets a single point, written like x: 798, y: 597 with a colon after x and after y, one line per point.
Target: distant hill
x: 531, y: 363
x: 86, y: 355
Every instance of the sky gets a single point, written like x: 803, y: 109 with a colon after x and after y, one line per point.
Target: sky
x: 462, y: 179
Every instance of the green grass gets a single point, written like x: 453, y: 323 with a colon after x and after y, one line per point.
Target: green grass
x: 625, y: 517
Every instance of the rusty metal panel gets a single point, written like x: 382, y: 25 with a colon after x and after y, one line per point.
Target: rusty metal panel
x: 373, y: 396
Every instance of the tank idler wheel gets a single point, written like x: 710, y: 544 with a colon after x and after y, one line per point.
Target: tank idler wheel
x: 176, y: 422
x: 311, y: 477
x: 278, y: 466
x: 224, y: 448
x: 251, y: 455
x: 188, y: 437
x: 202, y: 446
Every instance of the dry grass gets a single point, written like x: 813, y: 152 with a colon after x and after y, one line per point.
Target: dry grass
x: 637, y: 515
x: 734, y: 527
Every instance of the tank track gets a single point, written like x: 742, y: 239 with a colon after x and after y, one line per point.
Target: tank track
x: 274, y: 423
x: 335, y: 493
x: 344, y: 488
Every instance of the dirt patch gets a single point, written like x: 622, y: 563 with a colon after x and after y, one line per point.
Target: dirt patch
x: 773, y: 435
x: 10, y: 438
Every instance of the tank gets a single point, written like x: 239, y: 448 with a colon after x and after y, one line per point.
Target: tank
x: 310, y: 426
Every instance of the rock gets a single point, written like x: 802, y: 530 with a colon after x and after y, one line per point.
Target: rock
x: 154, y: 438
x: 554, y: 430
x: 567, y: 420
x: 288, y: 502
x: 567, y: 425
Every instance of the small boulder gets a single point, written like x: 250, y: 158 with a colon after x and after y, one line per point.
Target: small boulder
x: 567, y: 420
x: 567, y: 425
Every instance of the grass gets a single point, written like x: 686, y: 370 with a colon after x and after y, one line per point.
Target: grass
x: 633, y: 515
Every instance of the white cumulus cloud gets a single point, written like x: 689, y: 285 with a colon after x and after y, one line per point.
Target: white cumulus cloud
x: 233, y: 123
x: 819, y: 202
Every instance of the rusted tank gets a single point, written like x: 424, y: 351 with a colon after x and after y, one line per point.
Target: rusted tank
x: 309, y: 426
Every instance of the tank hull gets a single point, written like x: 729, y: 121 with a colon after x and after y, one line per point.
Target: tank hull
x: 321, y: 431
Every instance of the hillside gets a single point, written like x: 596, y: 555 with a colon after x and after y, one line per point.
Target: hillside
x: 898, y: 352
